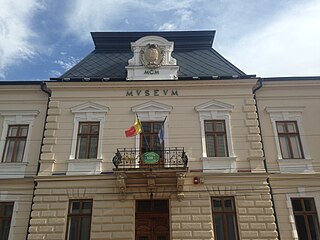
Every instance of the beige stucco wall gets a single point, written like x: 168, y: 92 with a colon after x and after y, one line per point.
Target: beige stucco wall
x: 285, y: 95
x: 183, y: 120
x: 190, y: 218
x: 15, y: 185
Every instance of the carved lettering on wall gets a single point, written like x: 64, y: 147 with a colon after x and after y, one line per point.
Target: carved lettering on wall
x: 152, y: 92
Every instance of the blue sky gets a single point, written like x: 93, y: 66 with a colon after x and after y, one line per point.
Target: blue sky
x: 40, y: 39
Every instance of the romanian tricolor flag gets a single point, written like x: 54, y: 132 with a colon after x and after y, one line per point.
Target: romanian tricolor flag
x: 134, y: 130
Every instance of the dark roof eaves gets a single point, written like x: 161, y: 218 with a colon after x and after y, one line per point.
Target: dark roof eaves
x: 300, y: 78
x: 13, y: 82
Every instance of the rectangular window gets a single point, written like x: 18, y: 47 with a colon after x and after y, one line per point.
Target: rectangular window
x: 306, y: 218
x: 6, y: 209
x: 224, y: 218
x: 149, y: 139
x: 289, y: 139
x: 216, y: 138
x: 79, y: 220
x: 15, y: 143
x: 87, y: 142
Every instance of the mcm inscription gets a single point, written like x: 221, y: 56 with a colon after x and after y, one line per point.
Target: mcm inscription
x: 151, y: 72
x: 152, y: 92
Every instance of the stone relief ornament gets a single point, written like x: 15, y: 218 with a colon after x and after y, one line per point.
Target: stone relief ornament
x: 151, y: 56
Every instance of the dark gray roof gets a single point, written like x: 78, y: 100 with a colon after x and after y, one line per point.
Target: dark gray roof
x: 192, y: 50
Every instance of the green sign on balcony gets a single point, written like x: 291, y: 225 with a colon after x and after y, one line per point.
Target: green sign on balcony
x: 150, y: 157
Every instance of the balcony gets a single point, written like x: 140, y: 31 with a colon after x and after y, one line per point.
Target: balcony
x: 133, y: 159
x: 136, y: 170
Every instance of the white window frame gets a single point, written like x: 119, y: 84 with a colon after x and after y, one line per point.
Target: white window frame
x: 216, y: 110
x: 290, y: 114
x: 155, y: 112
x: 87, y: 112
x: 301, y: 194
x: 16, y: 117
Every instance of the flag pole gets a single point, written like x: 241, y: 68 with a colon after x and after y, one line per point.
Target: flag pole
x: 142, y: 131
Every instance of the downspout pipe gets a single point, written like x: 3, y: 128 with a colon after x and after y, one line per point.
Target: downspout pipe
x: 44, y: 89
x: 255, y: 90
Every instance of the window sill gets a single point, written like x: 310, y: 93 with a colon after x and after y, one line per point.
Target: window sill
x: 295, y: 165
x: 219, y: 164
x: 12, y: 169
x: 84, y: 166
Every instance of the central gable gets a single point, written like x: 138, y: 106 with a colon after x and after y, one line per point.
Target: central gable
x: 152, y: 60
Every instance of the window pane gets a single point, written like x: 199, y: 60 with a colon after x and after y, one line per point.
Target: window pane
x: 157, y: 126
x: 210, y: 146
x: 8, y: 208
x: 13, y: 131
x: 75, y: 207
x: 219, y: 127
x: 285, y: 149
x: 82, y: 147
x: 217, y: 204
x: 295, y: 147
x: 218, y: 225
x: 93, y: 147
x: 85, y: 228
x: 228, y: 205
x: 84, y: 127
x: 20, y: 144
x: 301, y: 227
x: 280, y: 127
x: 86, y: 207
x: 9, y: 151
x: 4, y: 230
x: 94, y: 129
x: 309, y: 204
x: 222, y: 151
x: 208, y: 126
x: 231, y: 227
x: 314, y: 227
x: 73, y: 234
x: 146, y: 127
x: 23, y: 131
x: 291, y: 127
x: 296, y: 205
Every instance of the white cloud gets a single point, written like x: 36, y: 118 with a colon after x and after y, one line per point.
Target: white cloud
x: 67, y: 62
x: 289, y: 45
x: 183, y: 20
x: 109, y: 15
x: 16, y: 35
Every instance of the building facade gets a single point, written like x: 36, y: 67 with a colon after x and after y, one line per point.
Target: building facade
x: 288, y: 110
x: 204, y: 178
x: 154, y: 135
x: 22, y: 118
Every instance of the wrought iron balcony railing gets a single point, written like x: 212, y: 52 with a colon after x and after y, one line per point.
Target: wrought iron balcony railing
x: 130, y: 158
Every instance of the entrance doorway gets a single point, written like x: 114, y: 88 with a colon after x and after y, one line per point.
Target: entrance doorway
x: 152, y: 220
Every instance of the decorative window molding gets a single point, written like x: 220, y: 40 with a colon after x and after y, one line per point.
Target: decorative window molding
x: 301, y: 194
x: 16, y: 117
x: 87, y: 112
x: 156, y: 112
x: 290, y: 114
x: 216, y: 110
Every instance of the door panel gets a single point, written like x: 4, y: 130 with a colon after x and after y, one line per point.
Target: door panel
x: 151, y: 223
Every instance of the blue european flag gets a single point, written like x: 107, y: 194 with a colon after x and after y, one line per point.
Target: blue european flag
x: 161, y: 135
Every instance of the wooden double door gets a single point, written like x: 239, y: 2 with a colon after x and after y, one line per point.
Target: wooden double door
x: 152, y: 220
